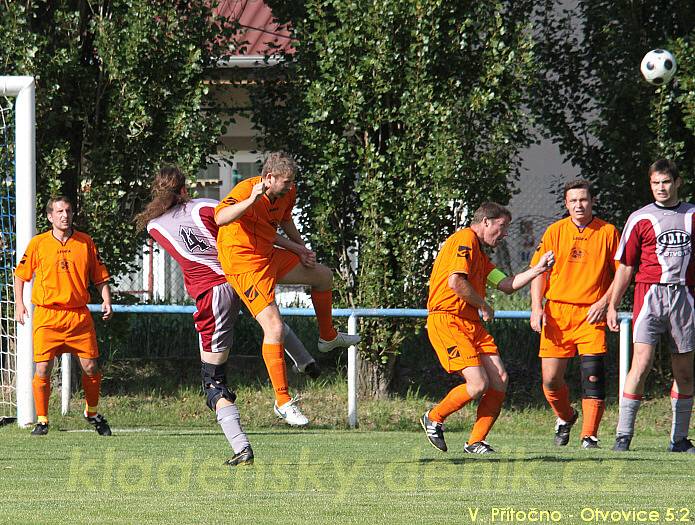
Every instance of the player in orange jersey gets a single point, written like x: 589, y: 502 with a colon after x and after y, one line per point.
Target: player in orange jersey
x: 62, y: 262
x: 255, y: 258
x: 185, y: 228
x: 455, y: 306
x: 573, y: 319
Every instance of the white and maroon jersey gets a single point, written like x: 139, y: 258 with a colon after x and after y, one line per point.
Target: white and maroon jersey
x: 658, y: 242
x: 188, y: 232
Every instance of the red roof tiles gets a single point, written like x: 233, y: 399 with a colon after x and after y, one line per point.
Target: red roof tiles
x: 261, y: 32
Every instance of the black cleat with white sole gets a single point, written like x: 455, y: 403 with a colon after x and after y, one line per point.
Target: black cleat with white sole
x: 479, y: 447
x: 434, y: 432
x: 562, y: 429
x: 590, y: 442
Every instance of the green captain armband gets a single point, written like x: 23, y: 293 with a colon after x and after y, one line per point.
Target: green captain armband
x: 495, y: 277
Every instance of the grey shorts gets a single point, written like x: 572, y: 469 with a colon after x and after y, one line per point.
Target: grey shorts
x: 664, y: 309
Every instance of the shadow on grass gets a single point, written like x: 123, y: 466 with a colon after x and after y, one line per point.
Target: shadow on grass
x: 248, y: 433
x: 540, y: 459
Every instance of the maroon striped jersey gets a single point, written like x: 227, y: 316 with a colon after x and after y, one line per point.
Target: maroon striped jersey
x: 188, y: 232
x: 657, y: 241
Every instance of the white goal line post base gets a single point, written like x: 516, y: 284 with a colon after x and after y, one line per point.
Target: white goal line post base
x: 353, y: 317
x: 22, y: 88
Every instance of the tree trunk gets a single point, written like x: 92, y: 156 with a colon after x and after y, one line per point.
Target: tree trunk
x: 374, y: 379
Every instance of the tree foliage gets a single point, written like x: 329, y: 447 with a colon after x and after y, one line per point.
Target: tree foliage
x: 119, y: 90
x: 592, y: 100
x: 684, y: 47
x: 403, y: 115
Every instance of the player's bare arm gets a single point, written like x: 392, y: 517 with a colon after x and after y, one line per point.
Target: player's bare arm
x: 232, y: 213
x: 306, y: 256
x: 621, y: 281
x: 20, y: 311
x: 290, y: 229
x: 598, y: 310
x: 458, y: 282
x: 537, y: 314
x: 513, y: 283
x: 106, y: 308
x: 284, y: 242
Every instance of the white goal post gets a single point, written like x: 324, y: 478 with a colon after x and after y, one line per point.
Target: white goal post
x: 22, y: 89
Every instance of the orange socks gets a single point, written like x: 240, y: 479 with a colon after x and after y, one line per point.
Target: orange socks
x: 592, y: 412
x: 454, y: 400
x: 560, y: 402
x: 274, y: 357
x: 42, y: 391
x: 91, y: 385
x: 323, y: 306
x: 488, y: 410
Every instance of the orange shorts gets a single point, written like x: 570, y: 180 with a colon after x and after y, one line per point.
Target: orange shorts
x: 457, y: 341
x: 566, y: 332
x: 257, y: 288
x: 63, y: 330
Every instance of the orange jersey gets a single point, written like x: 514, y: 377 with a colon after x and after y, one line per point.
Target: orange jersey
x: 584, y: 263
x: 461, y: 253
x: 247, y: 243
x: 62, y: 271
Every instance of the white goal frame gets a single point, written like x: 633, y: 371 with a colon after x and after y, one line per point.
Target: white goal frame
x: 23, y: 89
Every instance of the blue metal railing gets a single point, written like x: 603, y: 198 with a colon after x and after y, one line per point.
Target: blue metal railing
x: 353, y: 314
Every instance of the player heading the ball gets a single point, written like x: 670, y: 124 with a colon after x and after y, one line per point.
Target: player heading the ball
x: 186, y: 229
x: 455, y: 306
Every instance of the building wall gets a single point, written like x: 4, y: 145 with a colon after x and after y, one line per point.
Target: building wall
x: 537, y: 204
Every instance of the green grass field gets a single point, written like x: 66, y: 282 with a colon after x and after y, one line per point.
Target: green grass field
x: 173, y: 473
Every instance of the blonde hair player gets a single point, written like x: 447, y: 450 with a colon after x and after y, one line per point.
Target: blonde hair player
x: 255, y: 258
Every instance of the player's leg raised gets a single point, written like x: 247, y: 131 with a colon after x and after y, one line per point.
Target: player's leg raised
x: 320, y: 278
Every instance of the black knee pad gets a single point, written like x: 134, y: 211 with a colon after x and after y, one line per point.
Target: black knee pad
x: 215, y: 384
x: 593, y: 366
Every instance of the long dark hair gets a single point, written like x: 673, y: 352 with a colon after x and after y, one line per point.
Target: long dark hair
x: 166, y: 192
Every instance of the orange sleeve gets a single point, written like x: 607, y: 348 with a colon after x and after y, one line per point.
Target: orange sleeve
x: 27, y: 265
x: 97, y: 270
x: 240, y: 192
x: 461, y: 254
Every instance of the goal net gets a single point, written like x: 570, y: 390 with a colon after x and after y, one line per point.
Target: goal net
x: 17, y: 226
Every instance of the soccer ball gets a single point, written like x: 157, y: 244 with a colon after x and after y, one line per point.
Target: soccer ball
x: 658, y: 67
